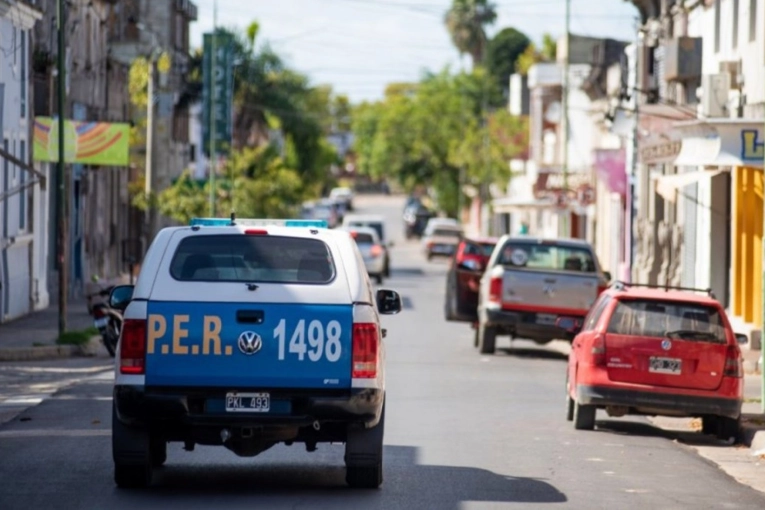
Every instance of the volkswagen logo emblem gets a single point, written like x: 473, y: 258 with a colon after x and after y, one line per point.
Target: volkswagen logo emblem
x: 666, y: 345
x: 249, y: 342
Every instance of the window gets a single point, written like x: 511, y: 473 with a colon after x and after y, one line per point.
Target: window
x: 23, y: 192
x: 246, y: 258
x: 735, y: 24
x: 23, y: 80
x: 667, y: 319
x: 547, y: 257
x: 752, y: 20
x: 595, y: 312
x: 363, y: 238
x: 717, y: 26
x: 481, y: 250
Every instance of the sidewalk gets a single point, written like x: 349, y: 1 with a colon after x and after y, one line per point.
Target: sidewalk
x: 33, y: 336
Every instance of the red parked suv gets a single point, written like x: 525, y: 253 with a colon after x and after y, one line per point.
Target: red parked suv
x: 464, y: 277
x: 655, y: 351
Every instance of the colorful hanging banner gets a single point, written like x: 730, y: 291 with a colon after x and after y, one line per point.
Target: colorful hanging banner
x: 88, y: 143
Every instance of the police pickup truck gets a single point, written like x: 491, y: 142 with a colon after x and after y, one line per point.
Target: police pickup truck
x: 529, y: 283
x: 245, y: 334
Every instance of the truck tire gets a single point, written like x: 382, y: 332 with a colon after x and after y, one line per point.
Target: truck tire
x: 709, y: 425
x: 158, y: 452
x: 727, y: 428
x: 364, y: 455
x: 487, y: 339
x: 584, y: 416
x: 569, y: 404
x: 132, y: 455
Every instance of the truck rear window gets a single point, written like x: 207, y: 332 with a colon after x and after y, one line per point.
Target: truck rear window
x: 667, y: 319
x: 364, y: 238
x: 548, y: 257
x: 243, y: 258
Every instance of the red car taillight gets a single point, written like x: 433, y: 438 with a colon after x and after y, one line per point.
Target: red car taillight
x: 599, y: 350
x: 376, y: 250
x: 365, y: 351
x: 98, y: 312
x: 133, y: 347
x: 495, y: 289
x: 733, y: 364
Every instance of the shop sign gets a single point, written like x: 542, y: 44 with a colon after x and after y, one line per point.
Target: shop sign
x: 752, y: 148
x: 662, y: 152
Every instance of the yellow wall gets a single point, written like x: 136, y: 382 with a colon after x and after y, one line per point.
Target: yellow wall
x: 747, y: 244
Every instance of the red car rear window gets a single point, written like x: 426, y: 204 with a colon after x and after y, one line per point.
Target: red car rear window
x: 667, y: 319
x: 481, y: 250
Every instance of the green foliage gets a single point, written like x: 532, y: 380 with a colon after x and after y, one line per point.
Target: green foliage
x: 502, y: 53
x: 533, y: 55
x: 424, y: 134
x: 255, y: 183
x: 466, y: 21
x: 77, y: 337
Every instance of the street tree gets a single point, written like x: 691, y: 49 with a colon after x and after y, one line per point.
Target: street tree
x: 501, y: 55
x: 466, y: 22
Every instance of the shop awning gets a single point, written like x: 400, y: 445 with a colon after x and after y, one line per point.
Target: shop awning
x: 721, y: 142
x: 509, y: 205
x: 668, y: 186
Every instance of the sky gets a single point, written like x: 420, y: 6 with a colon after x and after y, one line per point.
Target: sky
x: 358, y: 46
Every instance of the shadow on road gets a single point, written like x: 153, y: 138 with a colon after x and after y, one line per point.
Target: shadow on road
x: 533, y: 352
x: 644, y: 429
x: 407, y: 485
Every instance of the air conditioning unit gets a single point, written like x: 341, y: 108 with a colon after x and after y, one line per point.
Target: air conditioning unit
x: 714, y: 96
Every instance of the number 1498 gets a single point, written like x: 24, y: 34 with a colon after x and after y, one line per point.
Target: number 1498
x: 314, y: 340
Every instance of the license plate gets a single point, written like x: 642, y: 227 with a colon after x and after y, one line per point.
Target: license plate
x: 548, y: 319
x: 664, y: 365
x: 101, y: 323
x: 248, y: 402
x: 442, y: 249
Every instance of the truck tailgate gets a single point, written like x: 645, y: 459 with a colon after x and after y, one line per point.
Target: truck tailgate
x: 248, y: 345
x: 547, y: 291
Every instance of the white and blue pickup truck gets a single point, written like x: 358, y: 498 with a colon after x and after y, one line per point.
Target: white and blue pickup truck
x: 246, y: 334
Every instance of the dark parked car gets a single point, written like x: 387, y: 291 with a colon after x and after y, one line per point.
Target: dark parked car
x: 463, y: 278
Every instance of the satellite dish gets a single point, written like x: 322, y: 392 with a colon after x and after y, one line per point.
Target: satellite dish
x: 553, y: 113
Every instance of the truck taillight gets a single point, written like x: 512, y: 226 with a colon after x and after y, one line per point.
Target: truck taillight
x: 599, y: 351
x: 365, y: 351
x: 733, y: 363
x: 133, y: 347
x: 495, y: 289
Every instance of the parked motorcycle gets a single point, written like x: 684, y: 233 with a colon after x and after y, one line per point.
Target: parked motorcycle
x: 107, y: 320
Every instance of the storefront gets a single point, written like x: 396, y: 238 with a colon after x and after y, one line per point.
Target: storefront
x: 728, y: 155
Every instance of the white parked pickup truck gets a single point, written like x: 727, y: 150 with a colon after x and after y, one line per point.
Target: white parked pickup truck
x: 529, y: 283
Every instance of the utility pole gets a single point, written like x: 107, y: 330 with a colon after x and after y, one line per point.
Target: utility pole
x: 149, y: 177
x: 62, y: 204
x: 565, y: 229
x: 213, y: 136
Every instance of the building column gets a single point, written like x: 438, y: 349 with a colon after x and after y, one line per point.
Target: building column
x: 747, y: 244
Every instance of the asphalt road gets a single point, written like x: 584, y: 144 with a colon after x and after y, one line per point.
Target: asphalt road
x: 462, y: 431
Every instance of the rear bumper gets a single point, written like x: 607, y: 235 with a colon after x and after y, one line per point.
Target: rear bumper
x: 522, y: 324
x: 689, y: 405
x: 375, y: 265
x: 188, y: 407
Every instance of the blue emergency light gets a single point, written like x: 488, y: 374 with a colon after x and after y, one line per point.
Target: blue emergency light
x: 248, y: 222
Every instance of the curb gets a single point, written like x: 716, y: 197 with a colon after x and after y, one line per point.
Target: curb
x: 48, y: 352
x: 752, y: 435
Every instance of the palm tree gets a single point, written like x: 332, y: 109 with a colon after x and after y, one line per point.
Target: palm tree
x: 465, y: 21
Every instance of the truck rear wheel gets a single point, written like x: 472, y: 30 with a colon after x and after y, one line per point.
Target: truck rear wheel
x: 131, y: 452
x: 584, y: 416
x: 364, y: 455
x: 487, y: 339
